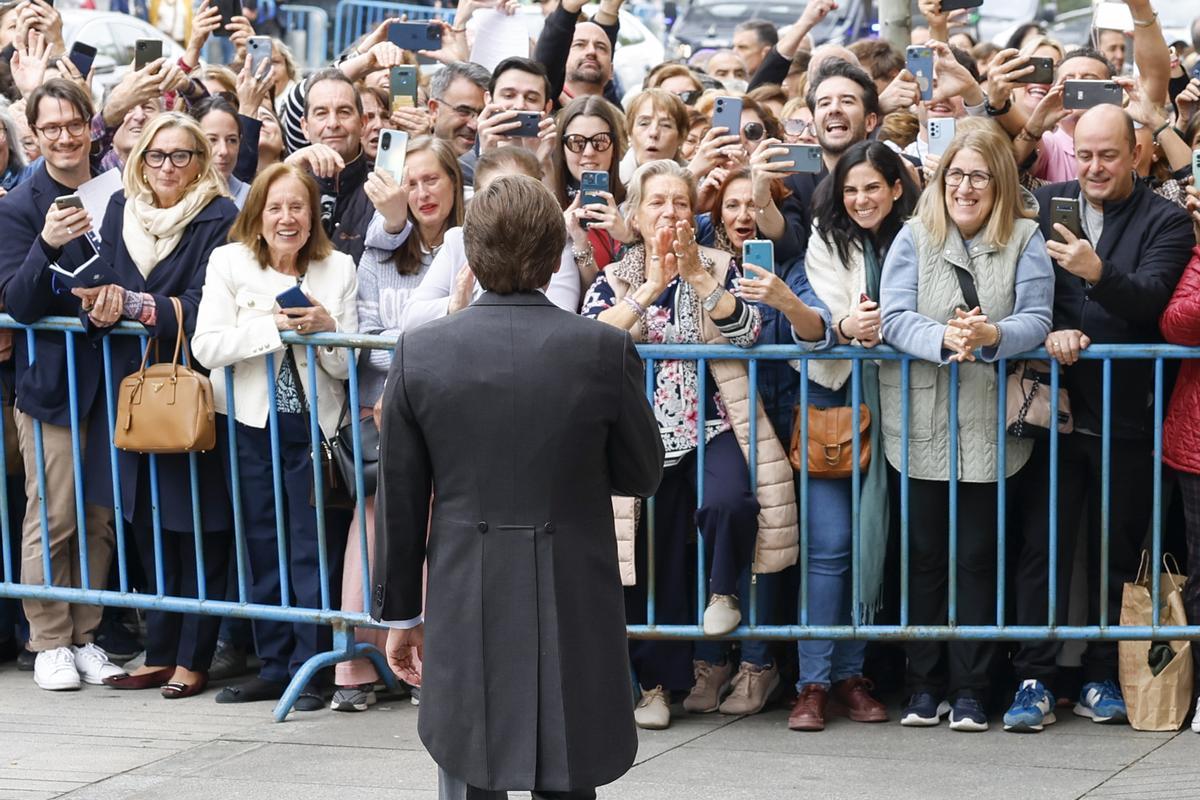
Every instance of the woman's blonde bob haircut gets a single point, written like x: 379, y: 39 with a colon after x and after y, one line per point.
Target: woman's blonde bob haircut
x: 642, y: 176
x: 985, y: 138
x: 247, y: 228
x: 135, y: 168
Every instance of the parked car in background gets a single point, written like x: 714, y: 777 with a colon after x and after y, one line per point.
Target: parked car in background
x: 114, y: 36
x: 638, y: 48
x: 710, y: 23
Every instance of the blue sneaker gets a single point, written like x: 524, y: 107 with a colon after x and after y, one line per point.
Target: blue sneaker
x: 923, y: 711
x: 1031, y: 710
x: 1102, y: 702
x: 966, y: 714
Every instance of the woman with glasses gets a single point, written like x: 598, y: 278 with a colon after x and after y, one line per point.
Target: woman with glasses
x: 967, y: 281
x: 796, y: 119
x: 157, y: 237
x: 656, y: 122
x: 593, y: 140
x: 721, y: 150
x: 678, y: 79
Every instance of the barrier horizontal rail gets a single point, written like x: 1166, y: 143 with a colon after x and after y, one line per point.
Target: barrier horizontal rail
x: 314, y: 22
x: 344, y: 621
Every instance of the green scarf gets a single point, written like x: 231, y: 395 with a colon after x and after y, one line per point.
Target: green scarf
x: 873, y: 506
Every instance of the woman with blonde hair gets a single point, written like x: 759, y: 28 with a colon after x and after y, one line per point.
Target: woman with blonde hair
x: 967, y: 281
x: 157, y: 237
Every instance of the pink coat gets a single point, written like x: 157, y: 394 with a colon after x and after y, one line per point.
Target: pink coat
x: 1180, y: 324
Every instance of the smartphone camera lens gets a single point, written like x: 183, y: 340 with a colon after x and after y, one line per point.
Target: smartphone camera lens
x: 385, y: 141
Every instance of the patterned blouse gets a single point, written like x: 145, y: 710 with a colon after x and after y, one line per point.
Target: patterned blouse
x: 675, y: 317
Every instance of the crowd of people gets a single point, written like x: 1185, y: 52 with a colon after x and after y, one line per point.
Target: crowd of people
x: 238, y: 187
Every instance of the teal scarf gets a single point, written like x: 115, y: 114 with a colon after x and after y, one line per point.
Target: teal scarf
x: 873, y: 506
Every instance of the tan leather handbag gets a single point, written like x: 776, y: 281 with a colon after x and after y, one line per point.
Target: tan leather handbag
x: 166, y: 408
x: 830, y: 441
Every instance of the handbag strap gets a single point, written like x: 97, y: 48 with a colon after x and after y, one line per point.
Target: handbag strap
x: 180, y: 337
x: 966, y: 283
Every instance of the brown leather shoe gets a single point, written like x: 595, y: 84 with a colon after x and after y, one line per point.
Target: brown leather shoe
x: 808, y: 714
x: 852, y: 698
x: 147, y: 680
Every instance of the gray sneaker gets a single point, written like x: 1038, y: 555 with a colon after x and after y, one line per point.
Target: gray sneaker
x: 353, y: 698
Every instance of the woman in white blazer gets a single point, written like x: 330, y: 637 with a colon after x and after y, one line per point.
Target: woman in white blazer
x: 277, y: 244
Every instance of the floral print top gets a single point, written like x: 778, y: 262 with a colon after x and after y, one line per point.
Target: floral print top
x: 675, y: 318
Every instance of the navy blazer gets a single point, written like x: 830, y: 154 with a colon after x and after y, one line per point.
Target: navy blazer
x: 29, y: 292
x: 181, y: 274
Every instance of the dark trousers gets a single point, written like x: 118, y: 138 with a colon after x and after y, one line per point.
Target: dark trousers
x: 1131, y: 503
x: 452, y: 788
x: 284, y: 646
x: 1189, y: 489
x: 953, y: 668
x: 185, y: 640
x: 728, y: 522
x: 13, y: 626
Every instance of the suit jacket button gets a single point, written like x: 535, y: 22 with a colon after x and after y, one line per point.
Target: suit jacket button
x: 548, y: 527
x: 482, y: 527
x: 251, y: 304
x: 379, y: 594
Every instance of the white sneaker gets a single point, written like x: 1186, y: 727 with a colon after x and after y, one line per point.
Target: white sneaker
x: 1196, y: 718
x: 93, y: 664
x: 722, y: 615
x: 653, y: 712
x: 54, y: 670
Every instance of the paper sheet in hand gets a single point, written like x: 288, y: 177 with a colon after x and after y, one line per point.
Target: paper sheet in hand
x: 498, y: 36
x: 96, y: 193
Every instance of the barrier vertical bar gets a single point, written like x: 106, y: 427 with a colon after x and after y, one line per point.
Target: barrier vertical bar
x: 85, y: 578
x: 156, y: 521
x: 318, y: 445
x: 1001, y: 468
x: 952, y: 488
x: 905, y: 386
x: 651, y: 505
x: 753, y: 468
x: 856, y: 477
x: 701, y: 539
x: 5, y: 542
x: 1156, y: 535
x: 1052, y: 560
x: 360, y: 489
x: 804, y: 499
x: 197, y: 529
x: 110, y: 406
x: 235, y: 493
x: 285, y: 591
x: 1105, y: 489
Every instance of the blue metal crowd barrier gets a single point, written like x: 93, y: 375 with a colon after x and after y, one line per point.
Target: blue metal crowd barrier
x: 358, y: 17
x: 343, y: 621
x: 313, y: 21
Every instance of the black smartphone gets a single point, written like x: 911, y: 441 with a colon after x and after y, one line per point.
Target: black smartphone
x: 955, y: 5
x: 804, y: 157
x: 530, y: 120
x: 146, y: 51
x: 68, y: 201
x: 82, y: 55
x: 402, y: 83
x: 1065, y: 211
x: 591, y: 182
x: 1089, y: 94
x: 414, y: 36
x: 1043, y: 71
x: 229, y: 10
x: 1196, y: 168
x: 293, y: 298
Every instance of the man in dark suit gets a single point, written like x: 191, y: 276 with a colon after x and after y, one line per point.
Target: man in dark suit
x: 527, y: 419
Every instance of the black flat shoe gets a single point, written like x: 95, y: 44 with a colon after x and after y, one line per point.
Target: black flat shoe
x: 251, y: 691
x: 309, y: 700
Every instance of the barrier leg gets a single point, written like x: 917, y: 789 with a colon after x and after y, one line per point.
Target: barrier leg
x: 344, y: 649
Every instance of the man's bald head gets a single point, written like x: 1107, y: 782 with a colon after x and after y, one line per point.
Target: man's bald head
x: 1106, y: 152
x: 830, y: 51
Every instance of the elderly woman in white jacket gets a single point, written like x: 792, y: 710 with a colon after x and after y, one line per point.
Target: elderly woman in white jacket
x: 278, y: 244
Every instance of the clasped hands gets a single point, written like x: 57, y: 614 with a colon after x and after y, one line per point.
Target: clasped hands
x: 967, y: 332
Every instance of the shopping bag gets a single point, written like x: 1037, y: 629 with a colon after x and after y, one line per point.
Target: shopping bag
x: 1156, y: 677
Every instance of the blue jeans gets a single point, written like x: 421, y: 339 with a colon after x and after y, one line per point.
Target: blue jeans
x: 829, y: 593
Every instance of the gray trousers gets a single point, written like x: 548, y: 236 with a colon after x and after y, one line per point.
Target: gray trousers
x: 452, y: 788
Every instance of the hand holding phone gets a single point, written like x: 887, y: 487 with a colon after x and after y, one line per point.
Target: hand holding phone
x: 591, y: 182
x: 146, y: 51
x: 1089, y: 94
x: 293, y: 298
x: 82, y: 56
x: 727, y: 113
x: 919, y: 61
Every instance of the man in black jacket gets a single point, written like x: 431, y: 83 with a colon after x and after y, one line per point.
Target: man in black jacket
x: 527, y: 418
x: 578, y: 56
x: 1111, y: 285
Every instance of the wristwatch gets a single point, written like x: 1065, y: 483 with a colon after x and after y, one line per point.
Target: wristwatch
x: 710, y: 302
x: 992, y: 111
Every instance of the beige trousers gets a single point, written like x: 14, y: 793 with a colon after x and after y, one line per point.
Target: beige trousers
x: 54, y: 623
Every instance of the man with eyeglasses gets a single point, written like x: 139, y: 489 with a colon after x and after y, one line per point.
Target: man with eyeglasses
x: 1111, y: 286
x: 455, y: 100
x: 35, y: 230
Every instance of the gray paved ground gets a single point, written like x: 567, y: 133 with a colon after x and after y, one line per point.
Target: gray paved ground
x: 100, y: 744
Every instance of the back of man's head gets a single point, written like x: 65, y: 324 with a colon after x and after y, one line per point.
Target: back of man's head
x: 514, y: 235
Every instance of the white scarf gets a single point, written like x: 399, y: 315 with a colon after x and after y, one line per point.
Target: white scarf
x: 152, y: 233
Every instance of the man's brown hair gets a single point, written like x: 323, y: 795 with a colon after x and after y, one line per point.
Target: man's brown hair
x: 514, y: 235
